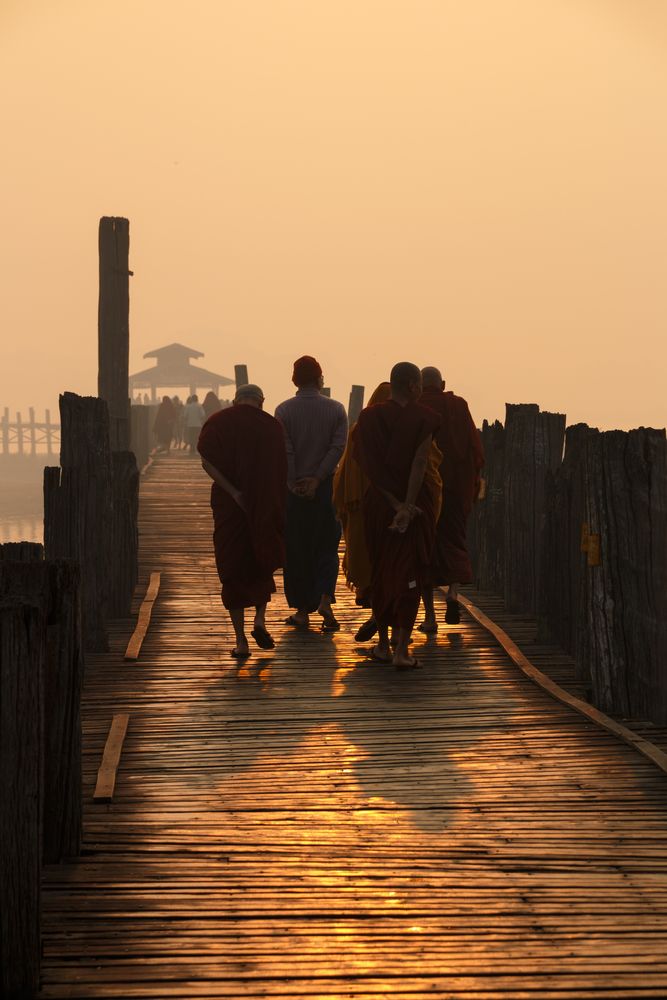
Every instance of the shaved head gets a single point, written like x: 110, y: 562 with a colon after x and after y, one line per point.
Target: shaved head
x: 432, y: 377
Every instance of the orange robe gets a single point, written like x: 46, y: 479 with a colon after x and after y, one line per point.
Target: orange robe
x: 462, y: 461
x: 385, y: 441
x: 248, y: 447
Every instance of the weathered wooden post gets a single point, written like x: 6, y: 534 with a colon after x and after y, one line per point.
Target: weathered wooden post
x: 624, y: 640
x: 78, y: 507
x: 32, y: 431
x: 5, y: 431
x: 114, y: 327
x: 22, y: 650
x: 561, y: 610
x: 55, y: 588
x: 19, y: 434
x: 533, y: 448
x: 356, y: 404
x: 488, y: 514
x: 241, y: 375
x: 48, y: 433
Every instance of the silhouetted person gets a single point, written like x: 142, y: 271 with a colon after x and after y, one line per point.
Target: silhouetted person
x: 243, y: 451
x: 211, y: 404
x: 350, y: 486
x: 315, y: 430
x: 163, y: 427
x: 462, y: 461
x: 193, y: 421
x: 392, y: 442
x: 178, y: 422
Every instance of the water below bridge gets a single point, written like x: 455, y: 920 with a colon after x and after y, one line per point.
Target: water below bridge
x: 312, y: 824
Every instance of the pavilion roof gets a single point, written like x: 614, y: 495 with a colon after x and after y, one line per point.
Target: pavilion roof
x: 173, y: 369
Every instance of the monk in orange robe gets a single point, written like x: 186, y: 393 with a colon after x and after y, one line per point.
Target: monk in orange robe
x: 243, y: 451
x: 350, y: 485
x: 391, y: 443
x: 462, y: 461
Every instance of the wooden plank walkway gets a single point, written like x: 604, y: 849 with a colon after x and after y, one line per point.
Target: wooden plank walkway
x: 315, y: 825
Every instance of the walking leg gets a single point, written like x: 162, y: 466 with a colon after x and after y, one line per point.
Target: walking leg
x: 241, y: 648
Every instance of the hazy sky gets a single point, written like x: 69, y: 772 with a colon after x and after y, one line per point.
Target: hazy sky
x: 476, y: 184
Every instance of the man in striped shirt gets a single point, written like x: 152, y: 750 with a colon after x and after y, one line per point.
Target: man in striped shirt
x: 315, y: 430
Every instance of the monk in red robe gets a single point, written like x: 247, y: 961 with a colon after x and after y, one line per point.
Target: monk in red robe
x: 462, y: 461
x: 243, y: 451
x: 391, y: 443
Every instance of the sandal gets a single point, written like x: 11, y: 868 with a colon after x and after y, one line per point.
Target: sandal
x: 301, y: 626
x: 238, y: 655
x: 428, y: 631
x: 366, y: 631
x: 262, y: 637
x: 330, y: 625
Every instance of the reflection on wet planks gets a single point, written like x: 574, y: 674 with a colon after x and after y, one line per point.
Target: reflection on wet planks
x: 311, y: 824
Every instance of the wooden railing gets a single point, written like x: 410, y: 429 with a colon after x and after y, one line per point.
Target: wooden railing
x: 28, y: 437
x: 573, y: 530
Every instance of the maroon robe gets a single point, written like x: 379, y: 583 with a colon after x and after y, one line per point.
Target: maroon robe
x: 462, y: 460
x: 248, y: 447
x: 385, y: 441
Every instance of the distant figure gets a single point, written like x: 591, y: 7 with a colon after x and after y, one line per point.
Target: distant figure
x: 163, y: 428
x: 211, y: 404
x: 462, y: 461
x: 392, y: 442
x: 315, y: 430
x: 193, y: 421
x: 178, y: 422
x: 350, y: 486
x: 243, y: 451
x: 146, y: 399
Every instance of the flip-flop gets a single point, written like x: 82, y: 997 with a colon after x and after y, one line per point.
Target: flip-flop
x: 330, y: 626
x: 262, y: 637
x: 453, y: 612
x: 409, y: 666
x: 366, y: 631
x: 239, y: 656
x: 427, y: 631
x: 301, y: 626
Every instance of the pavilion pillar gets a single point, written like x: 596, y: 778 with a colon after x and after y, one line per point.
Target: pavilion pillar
x: 114, y: 327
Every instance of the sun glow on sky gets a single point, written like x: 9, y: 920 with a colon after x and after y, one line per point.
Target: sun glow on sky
x: 474, y: 185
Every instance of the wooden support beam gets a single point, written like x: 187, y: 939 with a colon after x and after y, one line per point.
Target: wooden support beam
x: 356, y: 404
x: 106, y: 775
x: 114, y: 327
x: 143, y: 618
x: 241, y: 375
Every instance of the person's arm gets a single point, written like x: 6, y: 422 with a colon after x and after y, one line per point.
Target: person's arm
x: 327, y: 466
x: 289, y: 448
x: 223, y: 483
x: 407, y: 510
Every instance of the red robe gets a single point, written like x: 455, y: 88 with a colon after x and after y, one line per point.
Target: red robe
x: 462, y: 460
x: 248, y: 447
x: 385, y: 441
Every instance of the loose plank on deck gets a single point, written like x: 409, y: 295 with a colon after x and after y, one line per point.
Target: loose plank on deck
x: 310, y: 824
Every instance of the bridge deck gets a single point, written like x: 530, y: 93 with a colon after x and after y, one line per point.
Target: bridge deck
x: 314, y: 825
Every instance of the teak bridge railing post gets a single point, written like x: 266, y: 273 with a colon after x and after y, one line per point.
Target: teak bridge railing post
x: 40, y: 745
x: 580, y: 540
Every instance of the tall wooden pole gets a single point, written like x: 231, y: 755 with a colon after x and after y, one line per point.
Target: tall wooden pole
x: 114, y: 327
x: 356, y: 404
x: 241, y: 375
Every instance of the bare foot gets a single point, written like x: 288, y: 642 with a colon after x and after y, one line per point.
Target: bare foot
x: 429, y: 625
x: 241, y: 650
x: 406, y: 662
x: 381, y: 653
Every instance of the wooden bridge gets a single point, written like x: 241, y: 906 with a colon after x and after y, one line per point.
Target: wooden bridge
x: 311, y: 824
